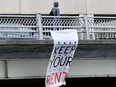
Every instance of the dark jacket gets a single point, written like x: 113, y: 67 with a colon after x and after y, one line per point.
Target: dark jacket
x: 55, y: 10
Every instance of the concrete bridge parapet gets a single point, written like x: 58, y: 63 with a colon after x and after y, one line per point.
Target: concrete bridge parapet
x: 36, y: 49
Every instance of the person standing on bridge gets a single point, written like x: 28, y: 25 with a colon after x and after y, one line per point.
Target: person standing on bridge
x: 55, y: 11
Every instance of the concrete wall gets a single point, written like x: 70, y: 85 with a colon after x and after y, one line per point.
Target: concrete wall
x: 9, y: 7
x: 2, y: 69
x: 79, y: 68
x: 66, y: 6
x: 101, y: 6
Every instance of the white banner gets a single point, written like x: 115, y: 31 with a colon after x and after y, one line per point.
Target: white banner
x: 65, y: 44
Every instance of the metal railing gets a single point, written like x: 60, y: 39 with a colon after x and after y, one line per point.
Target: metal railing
x: 39, y: 27
x: 103, y: 27
x: 15, y: 27
x: 61, y: 23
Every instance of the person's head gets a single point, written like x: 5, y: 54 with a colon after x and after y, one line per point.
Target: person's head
x: 56, y: 4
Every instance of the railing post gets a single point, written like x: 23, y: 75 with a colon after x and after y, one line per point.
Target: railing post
x: 39, y: 24
x: 86, y: 27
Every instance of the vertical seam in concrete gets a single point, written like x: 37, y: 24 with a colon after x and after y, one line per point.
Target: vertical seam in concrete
x: 5, y: 68
x: 19, y: 6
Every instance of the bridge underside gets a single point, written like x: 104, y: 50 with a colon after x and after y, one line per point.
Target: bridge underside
x: 29, y: 59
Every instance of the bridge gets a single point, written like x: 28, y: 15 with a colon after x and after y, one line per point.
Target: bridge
x: 26, y: 45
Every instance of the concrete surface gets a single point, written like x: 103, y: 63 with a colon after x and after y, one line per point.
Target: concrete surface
x: 37, y: 49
